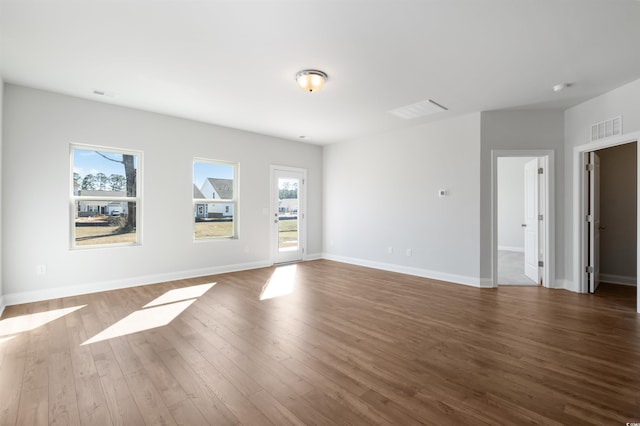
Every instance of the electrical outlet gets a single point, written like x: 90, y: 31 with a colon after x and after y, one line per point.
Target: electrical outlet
x: 409, y: 252
x: 390, y: 250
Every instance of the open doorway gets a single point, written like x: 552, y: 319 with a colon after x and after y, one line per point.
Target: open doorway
x: 581, y: 250
x: 520, y: 200
x: 522, y: 217
x: 611, y: 222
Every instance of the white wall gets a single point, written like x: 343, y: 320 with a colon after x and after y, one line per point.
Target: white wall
x: 511, y: 202
x: 521, y: 130
x: 39, y: 126
x: 618, y: 207
x: 382, y: 192
x: 1, y: 193
x: 623, y: 101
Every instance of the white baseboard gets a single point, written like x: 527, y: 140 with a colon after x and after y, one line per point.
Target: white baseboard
x: 313, y: 256
x: 563, y: 284
x: 486, y: 283
x: 509, y: 248
x: 54, y: 293
x: 512, y: 284
x: 425, y: 273
x: 619, y: 279
x: 1, y: 305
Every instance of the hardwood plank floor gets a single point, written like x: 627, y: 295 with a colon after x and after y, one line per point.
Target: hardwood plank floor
x: 349, y: 345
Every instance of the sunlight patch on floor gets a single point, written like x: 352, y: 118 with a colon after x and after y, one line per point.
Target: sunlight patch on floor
x: 144, y: 319
x: 157, y: 313
x: 29, y: 322
x: 281, y: 283
x: 185, y: 293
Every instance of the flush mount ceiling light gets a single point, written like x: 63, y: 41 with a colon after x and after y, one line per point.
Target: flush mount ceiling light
x: 311, y: 80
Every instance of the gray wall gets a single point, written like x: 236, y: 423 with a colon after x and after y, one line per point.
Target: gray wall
x: 618, y: 206
x: 520, y: 130
x: 38, y: 128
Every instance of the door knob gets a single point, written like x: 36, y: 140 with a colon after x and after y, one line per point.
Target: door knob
x: 602, y: 228
x: 524, y: 225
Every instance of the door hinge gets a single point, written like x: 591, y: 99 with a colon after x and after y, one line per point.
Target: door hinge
x: 588, y: 218
x: 303, y: 181
x: 589, y: 167
x: 540, y: 263
x: 540, y: 217
x: 589, y: 269
x: 540, y: 171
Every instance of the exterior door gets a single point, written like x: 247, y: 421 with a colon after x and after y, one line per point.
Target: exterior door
x: 593, y: 271
x: 531, y: 219
x: 287, y: 214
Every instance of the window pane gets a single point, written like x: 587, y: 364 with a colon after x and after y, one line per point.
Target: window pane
x: 104, y: 173
x: 213, y: 220
x: 288, y: 204
x: 104, y: 222
x: 213, y: 180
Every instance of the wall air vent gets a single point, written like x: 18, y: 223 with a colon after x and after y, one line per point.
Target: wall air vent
x: 605, y: 129
x: 419, y: 109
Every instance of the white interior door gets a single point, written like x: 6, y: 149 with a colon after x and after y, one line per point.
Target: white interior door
x: 530, y: 223
x: 593, y: 271
x: 287, y: 215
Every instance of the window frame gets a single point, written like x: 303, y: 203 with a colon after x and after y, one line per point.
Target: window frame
x: 235, y: 201
x: 73, y: 198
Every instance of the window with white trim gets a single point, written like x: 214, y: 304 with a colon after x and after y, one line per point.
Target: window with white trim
x: 215, y: 199
x: 105, y: 196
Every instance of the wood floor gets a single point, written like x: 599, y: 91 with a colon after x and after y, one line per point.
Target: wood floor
x: 349, y: 345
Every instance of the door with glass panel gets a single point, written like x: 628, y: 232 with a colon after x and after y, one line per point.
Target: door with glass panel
x: 287, y: 214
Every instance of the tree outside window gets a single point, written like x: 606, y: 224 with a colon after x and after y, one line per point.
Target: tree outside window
x: 105, y: 196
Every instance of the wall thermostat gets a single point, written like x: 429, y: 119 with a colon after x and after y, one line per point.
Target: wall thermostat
x: 443, y: 193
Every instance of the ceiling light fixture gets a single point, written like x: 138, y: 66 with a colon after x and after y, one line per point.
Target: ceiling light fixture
x: 560, y: 87
x: 311, y: 80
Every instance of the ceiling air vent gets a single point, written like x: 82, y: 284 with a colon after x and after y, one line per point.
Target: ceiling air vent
x: 606, y: 129
x: 419, y: 109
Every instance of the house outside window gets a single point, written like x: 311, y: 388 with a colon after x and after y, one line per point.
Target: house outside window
x: 105, y: 196
x: 215, y: 199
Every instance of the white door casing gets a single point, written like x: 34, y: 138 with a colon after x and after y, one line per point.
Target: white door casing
x: 546, y: 159
x: 530, y: 224
x: 594, y: 222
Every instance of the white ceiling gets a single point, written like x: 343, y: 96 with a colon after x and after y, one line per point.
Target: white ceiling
x: 233, y: 62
